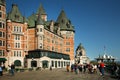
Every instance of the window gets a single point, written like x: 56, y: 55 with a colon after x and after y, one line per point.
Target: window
x: 3, y: 25
x: 17, y: 29
x: 20, y: 53
x: 14, y: 53
x: 67, y: 49
x: 0, y: 34
x: 1, y: 52
x: 0, y: 7
x: 40, y: 29
x: 0, y: 24
x: 0, y: 43
x: 59, y: 63
x: 67, y: 43
x: 40, y: 45
x: 17, y: 37
x: 0, y: 14
x: 3, y: 34
x: 3, y: 43
x: 52, y: 63
x: 17, y: 53
x: 17, y: 45
x: 53, y: 48
x: 40, y: 37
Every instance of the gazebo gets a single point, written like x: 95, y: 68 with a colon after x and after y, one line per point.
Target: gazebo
x: 105, y: 57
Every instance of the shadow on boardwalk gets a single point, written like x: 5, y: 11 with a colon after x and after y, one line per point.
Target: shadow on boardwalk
x: 55, y: 74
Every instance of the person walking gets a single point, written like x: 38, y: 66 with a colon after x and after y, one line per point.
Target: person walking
x: 115, y: 69
x: 12, y: 69
x: 9, y: 69
x: 1, y: 71
x: 102, y: 65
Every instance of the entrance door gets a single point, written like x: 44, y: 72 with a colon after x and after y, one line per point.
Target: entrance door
x: 45, y: 64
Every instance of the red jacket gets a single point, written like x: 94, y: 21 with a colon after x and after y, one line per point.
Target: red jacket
x: 102, y: 64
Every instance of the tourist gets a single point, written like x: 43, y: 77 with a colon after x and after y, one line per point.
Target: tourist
x: 102, y: 65
x: 50, y: 67
x: 1, y: 71
x: 84, y: 68
x: 68, y: 68
x: 72, y: 67
x: 12, y: 69
x: 115, y: 69
x: 76, y: 68
x: 95, y: 68
x: 9, y: 69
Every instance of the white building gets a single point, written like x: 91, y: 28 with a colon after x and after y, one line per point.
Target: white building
x: 80, y: 56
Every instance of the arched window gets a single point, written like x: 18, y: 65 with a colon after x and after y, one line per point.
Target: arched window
x: 17, y: 63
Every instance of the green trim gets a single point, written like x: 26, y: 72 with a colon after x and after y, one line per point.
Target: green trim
x: 3, y: 59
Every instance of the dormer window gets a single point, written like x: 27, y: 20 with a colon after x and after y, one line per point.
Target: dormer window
x: 63, y: 21
x: 68, y: 25
x: 17, y: 17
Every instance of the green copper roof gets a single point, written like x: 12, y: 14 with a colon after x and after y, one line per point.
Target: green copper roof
x: 31, y: 20
x: 64, y: 22
x: 39, y: 20
x: 15, y: 14
x: 41, y: 10
x: 2, y: 2
x: 80, y: 47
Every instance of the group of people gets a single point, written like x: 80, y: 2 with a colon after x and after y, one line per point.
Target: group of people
x: 82, y: 68
x: 90, y: 68
x: 10, y: 69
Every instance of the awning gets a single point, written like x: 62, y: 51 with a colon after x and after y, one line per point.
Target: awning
x: 3, y: 59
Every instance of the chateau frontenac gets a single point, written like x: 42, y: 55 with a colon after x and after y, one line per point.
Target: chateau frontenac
x: 35, y: 41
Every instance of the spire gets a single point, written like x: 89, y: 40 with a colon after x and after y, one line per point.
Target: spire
x: 80, y: 46
x: 61, y: 16
x: 15, y: 14
x: 39, y: 20
x: 41, y: 10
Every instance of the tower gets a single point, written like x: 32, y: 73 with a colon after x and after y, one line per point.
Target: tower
x: 81, y: 57
x: 16, y: 36
x: 67, y: 31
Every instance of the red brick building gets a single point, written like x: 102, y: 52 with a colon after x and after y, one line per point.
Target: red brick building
x: 37, y: 42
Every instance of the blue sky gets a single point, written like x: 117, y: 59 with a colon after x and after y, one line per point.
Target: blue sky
x: 97, y: 22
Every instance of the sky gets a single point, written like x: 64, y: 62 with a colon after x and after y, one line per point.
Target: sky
x: 96, y: 22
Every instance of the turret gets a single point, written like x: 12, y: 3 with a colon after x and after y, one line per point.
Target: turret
x: 43, y: 13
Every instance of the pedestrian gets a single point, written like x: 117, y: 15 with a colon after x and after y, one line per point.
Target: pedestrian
x: 9, y: 69
x: 95, y: 68
x: 68, y: 68
x: 115, y: 69
x: 1, y: 71
x: 102, y: 65
x: 72, y: 67
x: 50, y: 67
x: 12, y: 69
x: 84, y: 68
x: 76, y: 68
